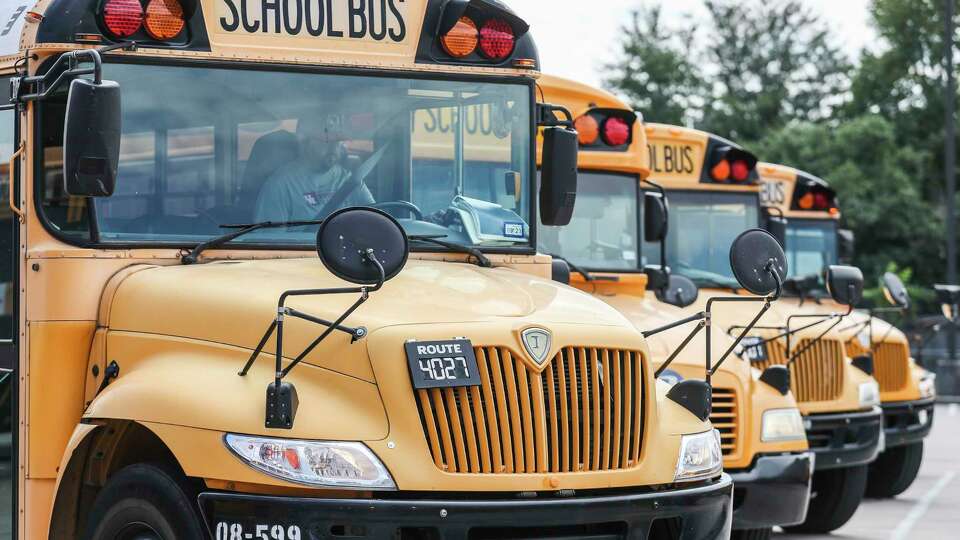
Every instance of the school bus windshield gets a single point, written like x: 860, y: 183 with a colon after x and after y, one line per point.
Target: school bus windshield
x: 203, y: 147
x: 702, y: 228
x: 811, y: 245
x: 603, y: 232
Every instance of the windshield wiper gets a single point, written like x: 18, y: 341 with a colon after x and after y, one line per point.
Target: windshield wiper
x: 586, y: 275
x: 481, y: 259
x: 194, y: 255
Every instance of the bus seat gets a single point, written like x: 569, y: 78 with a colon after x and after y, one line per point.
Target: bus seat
x: 269, y: 153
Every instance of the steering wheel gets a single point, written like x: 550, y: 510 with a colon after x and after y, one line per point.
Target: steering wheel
x: 402, y: 205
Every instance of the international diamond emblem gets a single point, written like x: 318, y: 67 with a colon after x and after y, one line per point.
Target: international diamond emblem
x: 537, y: 342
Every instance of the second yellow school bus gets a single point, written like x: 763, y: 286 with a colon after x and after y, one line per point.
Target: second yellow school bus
x: 714, y: 190
x: 770, y: 464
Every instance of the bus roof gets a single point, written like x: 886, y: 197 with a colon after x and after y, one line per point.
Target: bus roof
x: 390, y: 34
x: 780, y: 190
x: 581, y: 100
x: 679, y: 159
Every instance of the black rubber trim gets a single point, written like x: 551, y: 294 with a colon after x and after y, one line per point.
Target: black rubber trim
x: 844, y: 439
x: 773, y: 492
x: 901, y: 421
x: 705, y: 512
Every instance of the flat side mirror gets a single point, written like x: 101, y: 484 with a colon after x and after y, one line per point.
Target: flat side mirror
x: 895, y: 291
x: 758, y: 262
x: 655, y: 217
x: 846, y: 245
x: 680, y: 292
x: 658, y: 277
x: 91, y: 138
x: 362, y: 245
x: 845, y: 284
x: 949, y: 298
x: 560, y: 271
x: 777, y: 227
x: 558, y: 177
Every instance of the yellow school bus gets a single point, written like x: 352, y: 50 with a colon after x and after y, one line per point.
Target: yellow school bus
x: 207, y: 336
x: 814, y: 239
x: 714, y: 193
x: 764, y: 443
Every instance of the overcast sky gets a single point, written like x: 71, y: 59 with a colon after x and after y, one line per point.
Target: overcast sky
x: 575, y: 36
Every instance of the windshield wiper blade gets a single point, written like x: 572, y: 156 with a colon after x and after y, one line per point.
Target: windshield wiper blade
x: 194, y: 255
x: 481, y: 259
x: 586, y: 275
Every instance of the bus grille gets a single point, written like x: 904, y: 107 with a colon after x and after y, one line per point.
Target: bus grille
x: 891, y: 363
x: 855, y: 348
x: 584, y: 412
x: 726, y: 418
x: 817, y: 375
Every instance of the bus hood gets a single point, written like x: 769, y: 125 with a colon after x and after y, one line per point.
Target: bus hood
x: 233, y: 303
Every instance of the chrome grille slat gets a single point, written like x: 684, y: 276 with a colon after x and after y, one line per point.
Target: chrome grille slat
x: 817, y: 375
x: 583, y: 412
x: 726, y: 419
x: 891, y: 362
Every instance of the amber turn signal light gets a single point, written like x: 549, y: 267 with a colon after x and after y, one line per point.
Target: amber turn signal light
x: 462, y: 39
x: 164, y: 19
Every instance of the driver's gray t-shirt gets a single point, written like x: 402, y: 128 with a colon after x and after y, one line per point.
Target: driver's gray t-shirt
x: 297, y: 193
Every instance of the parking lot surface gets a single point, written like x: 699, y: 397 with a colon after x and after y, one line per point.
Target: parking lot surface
x: 930, y: 509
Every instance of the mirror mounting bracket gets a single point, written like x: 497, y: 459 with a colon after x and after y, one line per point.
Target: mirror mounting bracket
x: 547, y: 116
x: 39, y: 87
x: 282, y: 401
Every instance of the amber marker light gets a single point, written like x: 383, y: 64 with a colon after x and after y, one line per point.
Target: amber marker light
x: 462, y: 39
x: 164, y: 19
x: 588, y: 130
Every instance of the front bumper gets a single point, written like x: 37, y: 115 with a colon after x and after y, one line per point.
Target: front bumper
x: 703, y: 512
x: 775, y: 491
x: 907, y: 422
x: 845, y: 439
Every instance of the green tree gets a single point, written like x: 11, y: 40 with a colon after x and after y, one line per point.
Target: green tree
x: 654, y: 68
x: 775, y: 62
x: 873, y: 175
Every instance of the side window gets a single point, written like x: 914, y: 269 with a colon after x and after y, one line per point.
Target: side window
x: 7, y: 290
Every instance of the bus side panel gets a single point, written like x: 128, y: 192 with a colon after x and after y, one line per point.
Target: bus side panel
x: 58, y: 364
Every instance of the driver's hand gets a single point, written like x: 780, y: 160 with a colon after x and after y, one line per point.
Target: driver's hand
x: 444, y: 218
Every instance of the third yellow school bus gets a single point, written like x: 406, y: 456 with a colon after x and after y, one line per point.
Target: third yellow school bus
x: 814, y: 240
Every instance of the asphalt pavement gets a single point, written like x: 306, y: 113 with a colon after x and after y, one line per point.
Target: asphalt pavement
x: 930, y: 509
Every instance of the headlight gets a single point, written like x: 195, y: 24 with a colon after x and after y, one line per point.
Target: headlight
x: 928, y: 386
x: 326, y: 464
x: 869, y: 394
x: 700, y: 457
x: 782, y: 425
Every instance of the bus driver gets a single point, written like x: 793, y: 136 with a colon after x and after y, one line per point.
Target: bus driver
x: 302, y: 189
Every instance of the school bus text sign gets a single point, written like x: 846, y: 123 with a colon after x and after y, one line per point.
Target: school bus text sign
x: 340, y: 30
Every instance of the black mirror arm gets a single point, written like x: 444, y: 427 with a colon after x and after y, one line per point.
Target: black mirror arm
x: 793, y: 358
x: 711, y: 370
x: 547, y: 116
x: 683, y: 345
x: 282, y: 312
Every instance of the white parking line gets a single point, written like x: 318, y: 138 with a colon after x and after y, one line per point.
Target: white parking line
x: 903, y: 530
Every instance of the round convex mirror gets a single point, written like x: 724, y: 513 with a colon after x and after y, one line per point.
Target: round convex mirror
x: 895, y: 291
x: 751, y: 256
x: 345, y: 237
x: 680, y: 291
